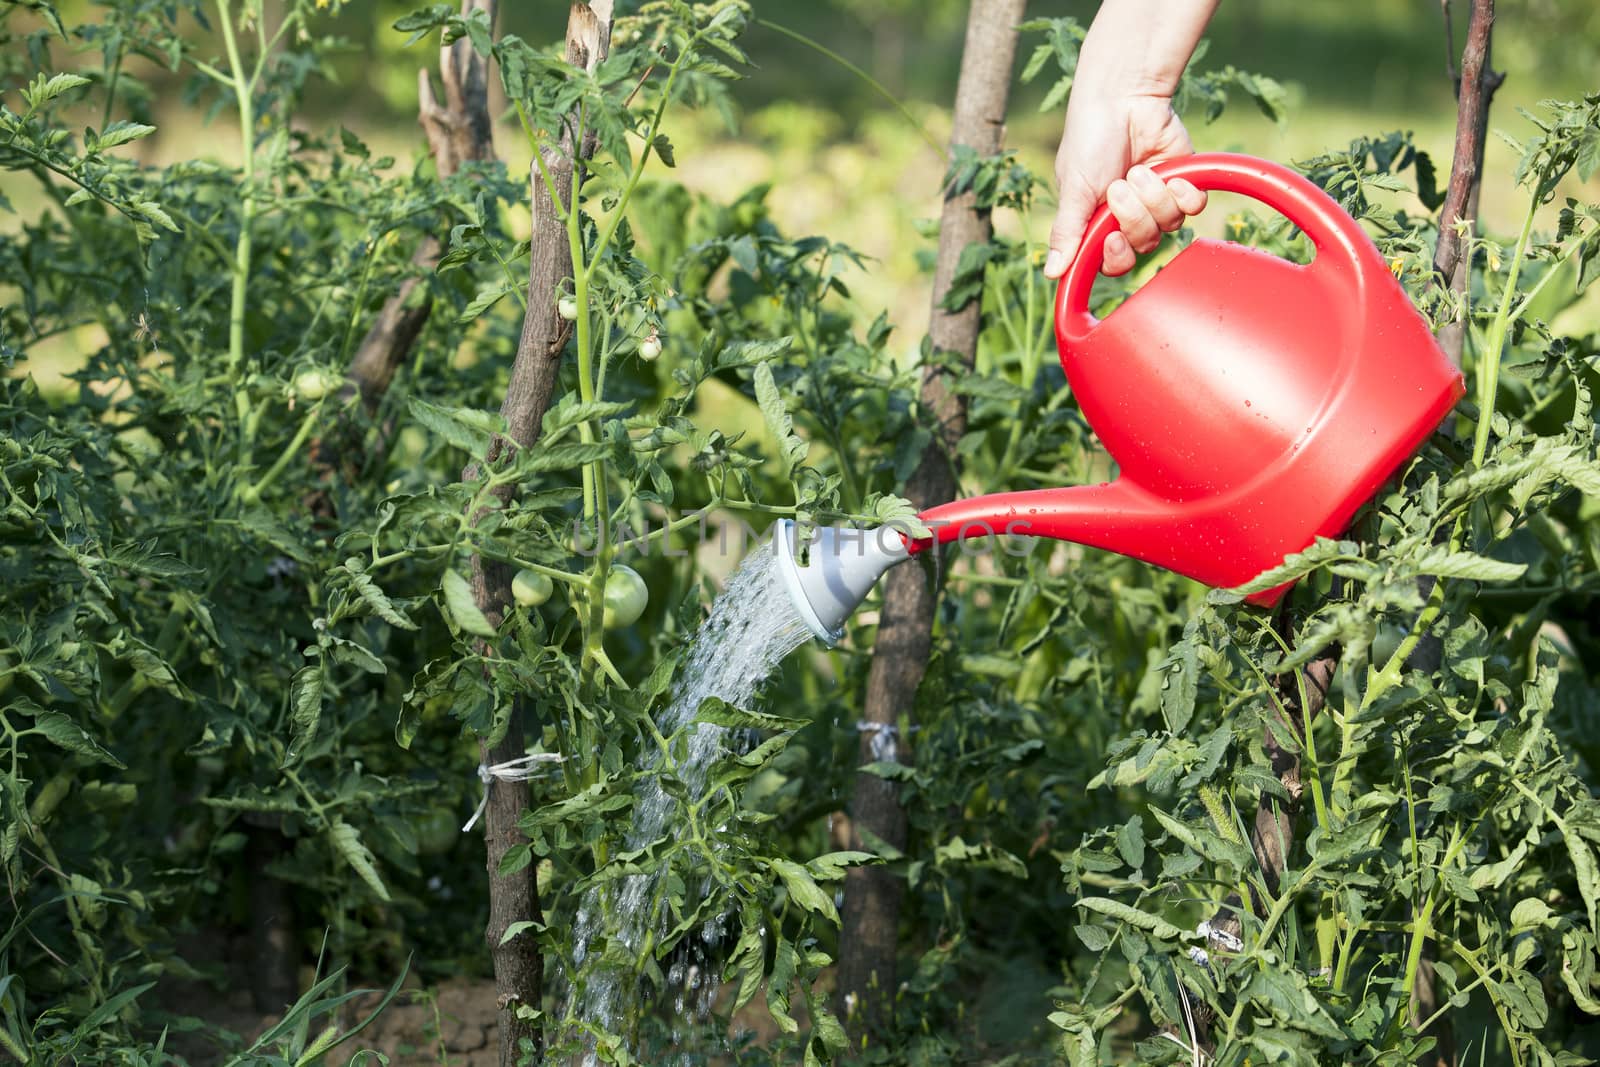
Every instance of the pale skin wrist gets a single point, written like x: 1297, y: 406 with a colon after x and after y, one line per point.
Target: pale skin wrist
x: 1119, y: 119
x: 1140, y: 47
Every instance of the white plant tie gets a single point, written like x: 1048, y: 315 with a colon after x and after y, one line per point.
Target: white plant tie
x: 512, y: 770
x: 884, y: 745
x: 1218, y: 936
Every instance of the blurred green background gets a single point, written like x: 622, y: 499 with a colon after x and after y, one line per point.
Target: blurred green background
x: 845, y: 163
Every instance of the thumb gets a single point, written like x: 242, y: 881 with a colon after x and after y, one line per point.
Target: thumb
x: 1077, y: 204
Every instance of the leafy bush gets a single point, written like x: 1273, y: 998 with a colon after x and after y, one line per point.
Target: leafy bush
x: 239, y: 646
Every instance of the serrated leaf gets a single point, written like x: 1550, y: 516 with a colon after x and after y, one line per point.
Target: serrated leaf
x: 803, y: 889
x: 465, y: 428
x: 901, y: 515
x: 776, y: 413
x: 305, y: 706
x: 1447, y: 564
x: 42, y: 90
x: 1180, y: 680
x: 784, y: 964
x: 832, y: 867
x: 120, y: 133
x: 486, y: 299
x: 156, y: 214
x: 1094, y: 937
x: 61, y: 731
x: 375, y: 598
x: 347, y: 842
x: 1587, y: 159
x: 592, y: 801
x: 718, y: 712
x: 516, y: 928
x: 752, y: 353
x: 571, y: 410
x: 462, y: 607
x: 1116, y: 909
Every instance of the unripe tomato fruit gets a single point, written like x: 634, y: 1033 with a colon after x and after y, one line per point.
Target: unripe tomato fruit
x: 567, y: 308
x: 530, y: 588
x: 650, y: 348
x: 626, y: 597
x: 437, y: 832
x: 314, y: 384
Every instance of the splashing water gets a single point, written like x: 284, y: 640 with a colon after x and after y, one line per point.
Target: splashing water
x: 751, y: 628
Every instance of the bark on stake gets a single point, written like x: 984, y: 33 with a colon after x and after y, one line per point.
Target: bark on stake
x: 518, y: 964
x: 458, y: 132
x: 868, y: 941
x: 1475, y: 89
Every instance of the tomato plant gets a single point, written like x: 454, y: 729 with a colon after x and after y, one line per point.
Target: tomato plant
x: 244, y: 674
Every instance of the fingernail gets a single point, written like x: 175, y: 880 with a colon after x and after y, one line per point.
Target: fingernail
x: 1055, y: 263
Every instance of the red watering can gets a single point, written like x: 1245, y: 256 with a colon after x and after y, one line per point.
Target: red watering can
x: 1251, y: 404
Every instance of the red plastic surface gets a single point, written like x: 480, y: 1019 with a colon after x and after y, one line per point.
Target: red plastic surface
x: 1251, y: 404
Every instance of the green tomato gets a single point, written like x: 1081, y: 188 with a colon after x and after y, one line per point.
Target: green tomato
x: 530, y: 588
x: 314, y: 384
x: 567, y: 308
x: 437, y: 832
x: 626, y: 597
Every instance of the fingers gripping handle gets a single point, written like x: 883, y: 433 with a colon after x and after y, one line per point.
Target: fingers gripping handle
x: 1308, y: 207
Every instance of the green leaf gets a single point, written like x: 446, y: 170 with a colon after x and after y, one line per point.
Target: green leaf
x: 663, y: 149
x: 1529, y: 912
x: 1581, y: 995
x: 803, y: 890
x: 61, y: 731
x: 1157, y: 926
x: 571, y: 410
x: 519, y: 927
x: 900, y: 514
x: 594, y: 800
x: 719, y: 712
x: 1094, y: 938
x: 1130, y: 842
x: 465, y: 428
x: 347, y: 842
x: 305, y: 707
x: 486, y: 299
x: 1587, y: 158
x: 784, y: 964
x: 120, y: 133
x: 966, y: 283
x: 752, y: 353
x: 1447, y: 564
x: 42, y: 91
x: 779, y: 424
x: 374, y: 597
x: 1209, y: 845
x: 832, y: 867
x: 1180, y: 679
x: 1587, y: 874
x: 461, y: 606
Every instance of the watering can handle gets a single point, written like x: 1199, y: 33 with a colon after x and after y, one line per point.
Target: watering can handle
x: 1330, y: 228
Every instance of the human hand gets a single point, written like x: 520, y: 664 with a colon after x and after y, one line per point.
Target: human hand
x: 1106, y: 147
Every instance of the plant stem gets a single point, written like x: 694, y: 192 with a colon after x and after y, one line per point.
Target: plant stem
x: 292, y: 449
x: 1422, y: 926
x: 242, y: 89
x: 1489, y: 363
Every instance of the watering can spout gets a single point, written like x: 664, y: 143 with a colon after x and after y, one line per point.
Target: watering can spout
x: 841, y: 565
x: 828, y: 571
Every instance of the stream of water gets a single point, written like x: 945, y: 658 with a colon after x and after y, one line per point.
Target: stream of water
x: 751, y: 628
